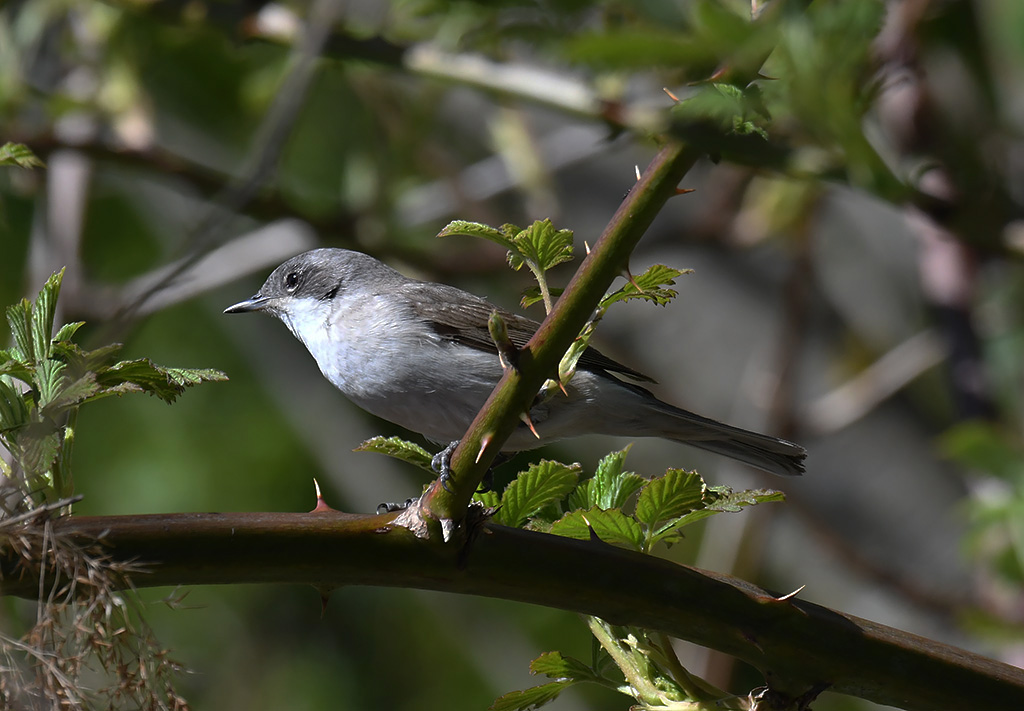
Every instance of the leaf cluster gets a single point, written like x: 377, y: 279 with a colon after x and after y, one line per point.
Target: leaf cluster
x: 43, y: 382
x: 553, y: 497
x: 541, y: 247
x: 556, y: 498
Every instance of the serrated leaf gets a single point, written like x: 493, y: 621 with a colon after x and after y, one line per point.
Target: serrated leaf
x: 187, y: 377
x: 20, y: 155
x: 399, y: 449
x: 652, y: 285
x: 611, y: 526
x: 72, y: 393
x: 12, y: 366
x: 476, y: 229
x: 80, y: 360
x: 542, y: 246
x: 67, y: 331
x: 556, y: 665
x: 669, y: 496
x: 529, y: 699
x: 533, y: 296
x: 48, y: 380
x: 19, y: 318
x: 37, y: 445
x: 144, y: 375
x: 491, y: 499
x: 542, y: 484
x: 43, y: 311
x: 724, y: 499
x: 717, y: 500
x: 610, y: 487
x: 14, y: 411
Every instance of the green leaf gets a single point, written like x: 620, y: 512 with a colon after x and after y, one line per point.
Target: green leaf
x: 555, y: 665
x: 399, y: 449
x: 652, y: 285
x: 145, y: 376
x: 14, y: 411
x: 10, y: 365
x: 491, y: 499
x: 476, y: 229
x: 610, y: 487
x: 67, y: 331
x: 37, y: 445
x: 20, y: 155
x: 43, y: 311
x: 611, y: 526
x: 669, y: 496
x: 533, y: 296
x: 531, y: 698
x: 543, y: 483
x: 72, y: 393
x: 187, y: 377
x: 541, y: 246
x: 717, y: 500
x: 48, y: 380
x: 80, y: 361
x: 722, y: 498
x: 19, y: 318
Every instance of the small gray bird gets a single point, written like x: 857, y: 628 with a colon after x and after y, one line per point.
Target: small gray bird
x: 419, y: 354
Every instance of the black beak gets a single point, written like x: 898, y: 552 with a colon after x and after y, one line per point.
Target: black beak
x: 256, y: 303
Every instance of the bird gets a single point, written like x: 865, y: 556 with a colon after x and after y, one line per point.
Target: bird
x: 419, y: 354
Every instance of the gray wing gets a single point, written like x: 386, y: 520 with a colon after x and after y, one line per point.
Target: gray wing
x: 462, y: 317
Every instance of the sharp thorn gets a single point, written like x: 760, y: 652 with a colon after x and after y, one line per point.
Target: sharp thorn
x: 632, y: 280
x: 791, y: 595
x: 321, y: 505
x: 484, y: 441
x: 525, y: 417
x: 670, y: 94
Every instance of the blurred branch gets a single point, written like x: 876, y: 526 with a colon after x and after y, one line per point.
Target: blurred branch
x: 797, y: 644
x: 274, y: 133
x: 888, y: 375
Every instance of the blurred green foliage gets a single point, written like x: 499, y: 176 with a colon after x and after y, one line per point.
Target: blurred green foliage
x: 147, y: 113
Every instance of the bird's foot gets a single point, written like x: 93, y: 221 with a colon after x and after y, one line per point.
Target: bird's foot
x: 442, y: 464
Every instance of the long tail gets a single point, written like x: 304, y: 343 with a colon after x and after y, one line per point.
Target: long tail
x: 773, y: 455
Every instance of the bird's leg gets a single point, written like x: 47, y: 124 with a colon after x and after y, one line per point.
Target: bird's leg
x: 442, y: 461
x: 442, y: 464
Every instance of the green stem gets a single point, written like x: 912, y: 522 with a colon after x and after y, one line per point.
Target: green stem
x: 542, y: 282
x: 539, y: 359
x: 636, y: 677
x: 695, y: 687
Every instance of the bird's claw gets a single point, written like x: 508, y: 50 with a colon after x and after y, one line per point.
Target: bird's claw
x: 442, y: 464
x: 392, y: 507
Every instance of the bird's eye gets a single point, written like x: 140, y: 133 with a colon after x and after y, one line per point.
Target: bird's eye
x: 291, y: 282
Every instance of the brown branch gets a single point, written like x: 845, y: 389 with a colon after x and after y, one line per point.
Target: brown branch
x: 797, y: 644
